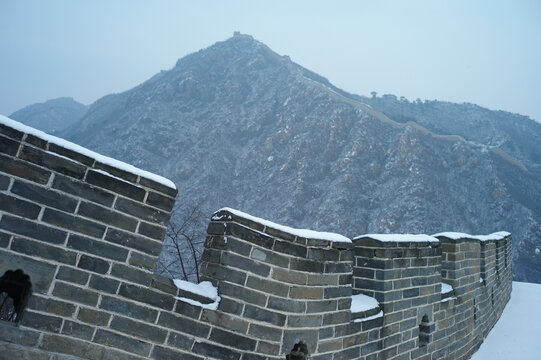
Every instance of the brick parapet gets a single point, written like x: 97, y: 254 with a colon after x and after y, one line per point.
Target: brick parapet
x: 89, y: 235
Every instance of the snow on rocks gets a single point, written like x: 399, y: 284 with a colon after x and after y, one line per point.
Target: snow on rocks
x: 84, y: 151
x: 309, y: 234
x: 203, y: 294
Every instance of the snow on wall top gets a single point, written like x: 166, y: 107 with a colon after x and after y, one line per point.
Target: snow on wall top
x: 457, y: 236
x: 84, y: 151
x: 310, y: 234
x: 399, y: 237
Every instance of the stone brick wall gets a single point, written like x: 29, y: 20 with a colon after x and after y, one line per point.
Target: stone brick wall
x: 89, y: 234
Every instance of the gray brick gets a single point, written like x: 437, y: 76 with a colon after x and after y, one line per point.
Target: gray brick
x: 39, y: 303
x: 4, y: 239
x: 33, y: 230
x: 142, y: 261
x: 245, y: 264
x: 93, y: 264
x: 24, y: 170
x: 184, y: 325
x: 110, y: 338
x: 287, y: 305
x: 147, y: 296
x: 187, y: 309
x: 241, y: 293
x: 72, y: 275
x: 163, y: 353
x: 296, y: 321
x: 118, y: 186
x: 53, y: 162
x: 141, y: 330
x: 73, y: 293
x: 16, y: 335
x: 83, y: 159
x: 288, y: 248
x: 265, y: 332
x: 11, y: 132
x: 77, y: 330
x: 307, y: 265
x: 233, y: 340
x: 44, y: 196
x: 107, y: 216
x: 103, y: 284
x: 220, y: 272
x: 94, y: 317
x: 215, y: 351
x: 268, y: 286
x: 180, y: 341
x: 31, y: 247
x: 134, y: 241
x: 270, y: 257
x: 224, y: 320
x: 230, y: 306
x: 336, y: 292
x: 97, y: 247
x: 338, y: 267
x: 264, y: 315
x: 15, y: 206
x: 41, y: 322
x: 36, y: 141
x: 65, y: 345
x: 152, y: 231
x: 73, y: 223
x: 8, y: 146
x: 127, y: 308
x: 131, y: 274
x: 142, y: 211
x: 4, y: 182
x: 241, y: 232
x: 160, y: 201
x: 158, y: 186
x: 163, y: 284
x: 125, y: 175
x: 89, y: 192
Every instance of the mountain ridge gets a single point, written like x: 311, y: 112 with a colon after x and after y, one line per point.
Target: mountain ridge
x: 238, y: 125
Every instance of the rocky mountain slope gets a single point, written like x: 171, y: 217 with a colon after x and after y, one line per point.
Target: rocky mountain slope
x: 238, y: 125
x: 52, y: 116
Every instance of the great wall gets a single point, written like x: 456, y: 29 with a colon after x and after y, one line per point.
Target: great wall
x: 86, y: 232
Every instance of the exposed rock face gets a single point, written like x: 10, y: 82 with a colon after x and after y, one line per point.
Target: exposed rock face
x: 238, y: 125
x: 52, y: 116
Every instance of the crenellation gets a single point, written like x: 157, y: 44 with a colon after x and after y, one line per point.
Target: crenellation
x: 88, y: 233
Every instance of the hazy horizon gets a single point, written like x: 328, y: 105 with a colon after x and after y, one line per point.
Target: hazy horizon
x: 483, y: 53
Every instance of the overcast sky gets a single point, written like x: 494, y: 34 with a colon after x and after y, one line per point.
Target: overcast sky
x: 483, y: 52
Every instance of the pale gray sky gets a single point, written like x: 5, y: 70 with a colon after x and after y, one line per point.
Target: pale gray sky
x: 483, y: 52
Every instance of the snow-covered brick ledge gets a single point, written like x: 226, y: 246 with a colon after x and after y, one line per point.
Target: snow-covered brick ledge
x: 396, y: 240
x: 364, y: 308
x: 204, y: 294
x: 316, y: 238
x: 496, y: 236
x: 78, y: 154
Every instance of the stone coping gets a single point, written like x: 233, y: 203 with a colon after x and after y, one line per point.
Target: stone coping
x: 79, y: 154
x: 266, y: 227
